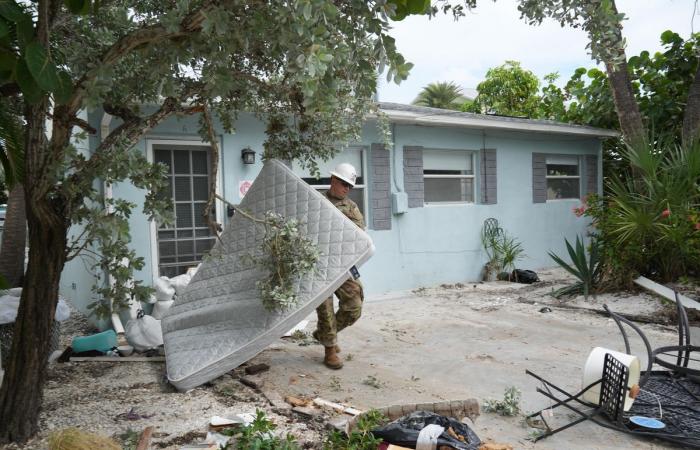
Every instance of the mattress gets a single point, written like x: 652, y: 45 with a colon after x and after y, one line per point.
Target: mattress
x: 219, y: 321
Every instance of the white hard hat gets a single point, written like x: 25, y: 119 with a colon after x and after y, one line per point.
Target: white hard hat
x: 345, y: 172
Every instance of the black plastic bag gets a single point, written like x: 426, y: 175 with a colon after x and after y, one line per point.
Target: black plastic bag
x: 404, y: 431
x: 524, y: 276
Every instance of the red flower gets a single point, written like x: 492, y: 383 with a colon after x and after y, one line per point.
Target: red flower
x: 579, y: 211
x: 665, y: 213
x: 697, y: 226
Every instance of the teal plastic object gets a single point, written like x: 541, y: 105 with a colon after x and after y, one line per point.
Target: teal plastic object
x: 102, y: 342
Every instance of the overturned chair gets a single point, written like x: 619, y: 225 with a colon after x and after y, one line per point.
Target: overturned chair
x: 662, y: 404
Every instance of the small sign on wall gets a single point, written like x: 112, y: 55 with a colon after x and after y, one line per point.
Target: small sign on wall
x: 243, y: 187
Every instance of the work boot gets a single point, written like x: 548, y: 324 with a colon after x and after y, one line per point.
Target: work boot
x: 315, y: 336
x: 331, y: 359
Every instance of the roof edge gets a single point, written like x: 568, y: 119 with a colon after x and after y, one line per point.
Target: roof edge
x: 417, y: 115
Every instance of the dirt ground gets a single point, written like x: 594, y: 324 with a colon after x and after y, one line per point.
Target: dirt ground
x: 450, y: 342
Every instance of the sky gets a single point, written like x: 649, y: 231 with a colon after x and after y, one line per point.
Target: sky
x: 444, y: 50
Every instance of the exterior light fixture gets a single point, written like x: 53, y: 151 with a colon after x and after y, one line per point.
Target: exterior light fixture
x: 248, y: 156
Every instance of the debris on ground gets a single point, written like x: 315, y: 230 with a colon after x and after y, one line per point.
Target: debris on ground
x: 256, y: 369
x: 422, y: 427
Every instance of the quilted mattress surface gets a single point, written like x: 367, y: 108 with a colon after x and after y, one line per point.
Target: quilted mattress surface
x: 219, y: 321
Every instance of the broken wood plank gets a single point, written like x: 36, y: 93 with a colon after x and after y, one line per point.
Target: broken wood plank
x: 117, y: 358
x: 667, y: 293
x: 145, y: 439
x: 296, y: 401
x: 337, y: 406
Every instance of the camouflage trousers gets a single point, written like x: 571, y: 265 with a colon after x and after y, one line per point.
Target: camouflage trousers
x: 350, y: 297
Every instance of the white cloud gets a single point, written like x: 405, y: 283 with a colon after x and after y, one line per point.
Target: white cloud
x: 462, y: 51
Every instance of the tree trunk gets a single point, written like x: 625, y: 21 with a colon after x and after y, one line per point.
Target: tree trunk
x: 626, y: 105
x: 22, y: 389
x: 14, y: 238
x: 691, y: 117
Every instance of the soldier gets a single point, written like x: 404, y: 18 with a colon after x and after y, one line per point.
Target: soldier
x: 350, y: 294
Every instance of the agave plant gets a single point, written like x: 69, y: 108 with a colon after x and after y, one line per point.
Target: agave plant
x: 586, y: 269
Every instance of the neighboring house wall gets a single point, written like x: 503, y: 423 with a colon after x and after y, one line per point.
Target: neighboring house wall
x: 427, y: 244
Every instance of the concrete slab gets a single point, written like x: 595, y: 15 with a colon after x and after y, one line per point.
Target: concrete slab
x: 449, y: 343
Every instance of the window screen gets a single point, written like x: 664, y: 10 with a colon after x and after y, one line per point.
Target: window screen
x: 563, y: 177
x: 184, y: 244
x: 448, y: 176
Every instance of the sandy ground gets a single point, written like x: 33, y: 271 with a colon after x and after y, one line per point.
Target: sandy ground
x: 432, y: 344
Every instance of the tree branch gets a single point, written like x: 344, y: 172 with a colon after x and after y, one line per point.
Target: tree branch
x: 213, y: 226
x: 153, y: 34
x: 83, y: 124
x: 129, y: 133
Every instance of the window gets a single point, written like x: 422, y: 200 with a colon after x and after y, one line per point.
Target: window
x: 185, y: 243
x: 448, y: 176
x: 563, y: 177
x: 353, y: 156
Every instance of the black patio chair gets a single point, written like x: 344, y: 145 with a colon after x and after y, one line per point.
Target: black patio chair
x: 682, y: 359
x: 667, y: 397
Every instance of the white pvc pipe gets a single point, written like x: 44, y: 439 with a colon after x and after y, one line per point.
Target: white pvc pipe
x: 107, y: 188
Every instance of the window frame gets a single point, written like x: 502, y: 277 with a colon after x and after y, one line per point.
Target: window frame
x: 363, y: 161
x: 219, y: 205
x: 548, y: 177
x: 472, y: 154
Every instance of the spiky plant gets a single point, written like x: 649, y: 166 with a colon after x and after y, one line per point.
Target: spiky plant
x: 585, y: 269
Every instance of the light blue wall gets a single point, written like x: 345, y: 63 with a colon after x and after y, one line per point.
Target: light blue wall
x: 441, y: 243
x: 425, y: 246
x: 78, y: 275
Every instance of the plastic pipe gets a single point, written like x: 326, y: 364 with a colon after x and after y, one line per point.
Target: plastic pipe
x: 107, y: 190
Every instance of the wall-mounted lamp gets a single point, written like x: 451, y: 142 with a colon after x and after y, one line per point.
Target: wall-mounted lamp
x: 248, y: 156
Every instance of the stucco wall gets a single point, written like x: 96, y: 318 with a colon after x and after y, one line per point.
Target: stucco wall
x: 426, y: 245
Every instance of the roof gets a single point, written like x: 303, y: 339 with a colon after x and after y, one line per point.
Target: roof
x: 422, y: 115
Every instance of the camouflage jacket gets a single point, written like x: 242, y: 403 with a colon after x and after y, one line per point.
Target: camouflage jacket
x: 349, y: 208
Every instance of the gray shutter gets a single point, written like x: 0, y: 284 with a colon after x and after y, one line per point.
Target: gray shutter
x: 539, y: 178
x: 591, y: 175
x: 489, y: 193
x: 380, y: 192
x: 413, y: 175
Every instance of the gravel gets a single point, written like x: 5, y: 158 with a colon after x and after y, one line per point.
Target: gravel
x: 115, y: 398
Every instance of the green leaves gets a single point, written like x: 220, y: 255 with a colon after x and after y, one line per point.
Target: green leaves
x: 404, y: 8
x: 25, y: 61
x: 78, y: 6
x: 41, y: 67
x: 587, y: 270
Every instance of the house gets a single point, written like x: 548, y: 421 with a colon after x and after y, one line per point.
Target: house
x: 425, y: 201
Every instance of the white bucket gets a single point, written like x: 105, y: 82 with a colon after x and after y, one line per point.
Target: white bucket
x: 593, y: 371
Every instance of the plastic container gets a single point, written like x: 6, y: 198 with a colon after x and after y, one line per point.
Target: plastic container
x: 101, y: 342
x: 593, y: 371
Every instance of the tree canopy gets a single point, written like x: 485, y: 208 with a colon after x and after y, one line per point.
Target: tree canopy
x: 443, y: 95
x: 508, y: 90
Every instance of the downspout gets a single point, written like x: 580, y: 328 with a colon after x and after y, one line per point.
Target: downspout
x: 399, y: 188
x: 107, y: 191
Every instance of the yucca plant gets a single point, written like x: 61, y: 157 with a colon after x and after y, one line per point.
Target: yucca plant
x: 586, y: 269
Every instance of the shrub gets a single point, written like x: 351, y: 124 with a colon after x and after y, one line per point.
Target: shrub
x: 587, y: 270
x: 649, y: 223
x: 502, y: 249
x: 509, y: 406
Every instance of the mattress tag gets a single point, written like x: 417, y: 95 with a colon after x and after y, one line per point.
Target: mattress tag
x: 354, y: 272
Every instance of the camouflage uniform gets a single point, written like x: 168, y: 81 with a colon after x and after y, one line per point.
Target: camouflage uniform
x: 350, y: 294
